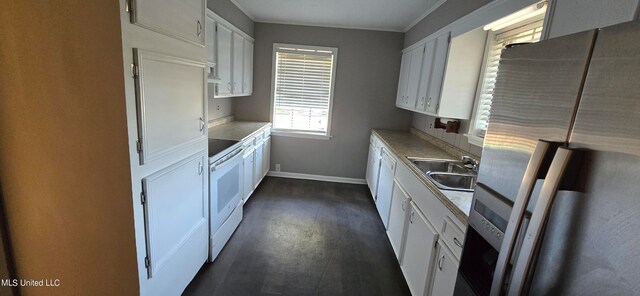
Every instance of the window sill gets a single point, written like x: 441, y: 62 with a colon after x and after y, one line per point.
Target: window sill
x: 475, y: 140
x: 283, y: 133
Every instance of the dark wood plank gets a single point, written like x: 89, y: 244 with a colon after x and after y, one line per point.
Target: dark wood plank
x: 302, y: 237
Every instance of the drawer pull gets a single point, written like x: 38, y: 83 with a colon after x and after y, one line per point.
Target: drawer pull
x: 457, y: 242
x: 440, y: 261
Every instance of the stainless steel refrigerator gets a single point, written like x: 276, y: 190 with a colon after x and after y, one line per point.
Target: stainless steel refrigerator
x: 557, y: 206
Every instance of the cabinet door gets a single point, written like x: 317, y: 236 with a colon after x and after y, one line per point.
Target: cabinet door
x: 247, y: 173
x: 385, y: 187
x: 413, y: 82
x: 247, y: 81
x: 210, y: 26
x: 238, y: 66
x: 445, y: 272
x: 257, y: 165
x: 425, y: 77
x: 397, y: 219
x: 266, y: 156
x: 418, y: 252
x: 403, y: 80
x: 180, y: 19
x: 369, y: 173
x: 437, y: 73
x: 176, y: 210
x: 170, y: 98
x: 224, y: 37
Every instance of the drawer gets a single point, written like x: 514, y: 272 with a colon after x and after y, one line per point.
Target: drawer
x: 453, y: 237
x: 266, y: 133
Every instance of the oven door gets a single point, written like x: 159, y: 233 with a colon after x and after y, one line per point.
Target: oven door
x: 225, y: 188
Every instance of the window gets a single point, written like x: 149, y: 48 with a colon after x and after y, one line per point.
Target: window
x: 302, y: 94
x: 522, y: 26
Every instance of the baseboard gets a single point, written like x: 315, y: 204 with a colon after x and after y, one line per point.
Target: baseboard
x: 316, y: 177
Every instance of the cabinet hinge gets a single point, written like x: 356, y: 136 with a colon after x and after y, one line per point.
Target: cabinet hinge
x: 134, y: 70
x: 147, y: 263
x: 449, y: 38
x: 143, y: 197
x: 139, y: 145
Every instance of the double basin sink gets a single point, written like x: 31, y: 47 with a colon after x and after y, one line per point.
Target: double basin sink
x: 447, y: 174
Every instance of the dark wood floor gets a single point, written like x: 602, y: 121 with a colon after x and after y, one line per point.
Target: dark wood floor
x: 302, y: 237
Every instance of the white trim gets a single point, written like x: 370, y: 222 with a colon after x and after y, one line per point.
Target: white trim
x: 298, y: 134
x: 226, y: 23
x: 474, y: 140
x: 276, y: 132
x: 278, y: 22
x: 425, y: 14
x: 316, y: 177
x: 244, y: 10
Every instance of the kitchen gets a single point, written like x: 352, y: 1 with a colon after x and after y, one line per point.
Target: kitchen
x: 413, y: 148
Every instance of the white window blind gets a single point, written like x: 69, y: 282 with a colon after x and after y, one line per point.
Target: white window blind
x: 530, y: 31
x: 303, y: 82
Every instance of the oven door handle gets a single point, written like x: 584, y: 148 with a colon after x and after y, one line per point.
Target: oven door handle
x: 517, y: 215
x: 222, y: 163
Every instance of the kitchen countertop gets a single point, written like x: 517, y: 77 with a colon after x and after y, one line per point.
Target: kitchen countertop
x: 404, y: 144
x: 236, y: 130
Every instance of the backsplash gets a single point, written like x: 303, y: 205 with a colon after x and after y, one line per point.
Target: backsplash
x: 219, y: 107
x: 424, y: 123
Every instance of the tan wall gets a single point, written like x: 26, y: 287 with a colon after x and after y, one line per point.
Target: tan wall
x: 64, y: 167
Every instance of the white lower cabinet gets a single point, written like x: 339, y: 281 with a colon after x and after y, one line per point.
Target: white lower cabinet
x: 385, y: 186
x: 421, y: 229
x: 247, y: 174
x: 398, y: 215
x: 266, y: 156
x: 257, y: 164
x: 445, y: 272
x: 418, y: 252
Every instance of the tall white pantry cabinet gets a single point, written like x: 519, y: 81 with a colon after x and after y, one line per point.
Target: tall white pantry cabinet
x: 165, y: 74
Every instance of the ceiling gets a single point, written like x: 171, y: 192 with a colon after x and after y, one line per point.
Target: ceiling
x: 386, y: 15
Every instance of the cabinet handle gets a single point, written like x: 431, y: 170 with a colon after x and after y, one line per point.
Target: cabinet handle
x: 457, y: 242
x: 235, y: 86
x: 411, y: 217
x: 404, y: 203
x: 229, y: 86
x: 429, y: 102
x: 440, y: 262
x: 199, y: 28
x: 201, y: 124
x: 200, y: 168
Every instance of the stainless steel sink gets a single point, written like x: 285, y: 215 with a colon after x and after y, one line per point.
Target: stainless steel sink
x: 427, y: 165
x: 453, y: 181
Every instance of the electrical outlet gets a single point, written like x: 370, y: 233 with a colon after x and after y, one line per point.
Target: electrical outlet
x: 277, y: 167
x: 218, y: 107
x: 430, y: 126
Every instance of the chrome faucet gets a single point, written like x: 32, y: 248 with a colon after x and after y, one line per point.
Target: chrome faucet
x: 471, y: 163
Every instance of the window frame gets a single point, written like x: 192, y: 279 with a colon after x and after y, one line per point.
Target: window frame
x: 302, y: 133
x: 472, y: 135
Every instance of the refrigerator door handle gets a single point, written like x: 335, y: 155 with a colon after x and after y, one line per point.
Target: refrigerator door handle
x: 539, y: 218
x: 517, y: 214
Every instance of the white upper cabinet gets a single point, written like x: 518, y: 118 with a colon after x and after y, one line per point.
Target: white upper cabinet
x: 210, y: 26
x: 425, y: 77
x: 413, y: 81
x: 224, y: 43
x: 182, y: 19
x: 247, y: 77
x: 238, y: 63
x: 437, y: 73
x: 171, y: 106
x: 403, y: 80
x: 233, y: 57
